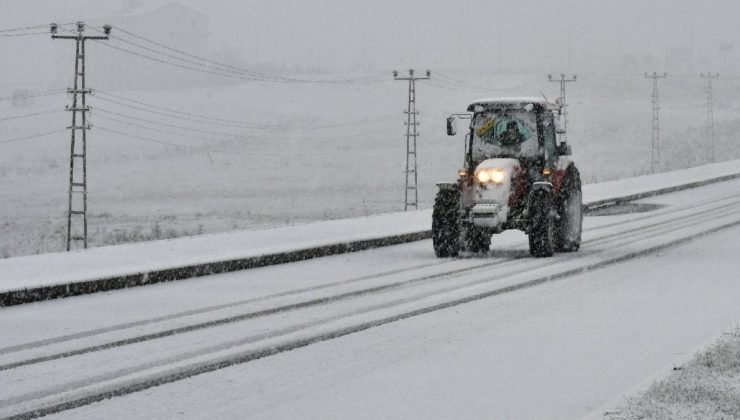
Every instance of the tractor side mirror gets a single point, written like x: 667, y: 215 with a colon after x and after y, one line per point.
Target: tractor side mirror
x: 564, y: 149
x: 560, y: 124
x: 451, y: 126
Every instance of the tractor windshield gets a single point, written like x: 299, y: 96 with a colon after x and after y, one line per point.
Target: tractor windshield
x: 505, y: 133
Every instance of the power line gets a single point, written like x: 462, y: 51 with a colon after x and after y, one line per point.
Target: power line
x: 204, y: 119
x: 28, y: 28
x: 25, y: 34
x: 208, y: 149
x: 198, y: 118
x: 98, y: 109
x: 238, y: 136
x: 223, y: 70
x: 234, y: 76
x: 460, y: 83
x: 252, y: 73
x: 33, y: 94
x: 16, y: 117
x: 149, y: 139
x: 25, y: 28
x: 32, y: 136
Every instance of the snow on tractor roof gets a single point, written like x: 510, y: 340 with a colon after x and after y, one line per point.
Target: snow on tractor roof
x: 512, y: 101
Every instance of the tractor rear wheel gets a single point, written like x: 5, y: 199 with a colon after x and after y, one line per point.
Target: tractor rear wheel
x: 570, y: 224
x: 445, y: 230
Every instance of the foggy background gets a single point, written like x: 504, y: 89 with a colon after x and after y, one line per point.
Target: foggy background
x: 684, y: 36
x: 179, y: 151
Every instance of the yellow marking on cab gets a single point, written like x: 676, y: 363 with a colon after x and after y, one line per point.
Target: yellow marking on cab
x: 485, y: 127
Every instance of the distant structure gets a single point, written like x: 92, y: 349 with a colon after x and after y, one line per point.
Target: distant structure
x: 655, y: 144
x: 411, y: 136
x: 563, y: 80
x: 78, y: 151
x: 710, y: 115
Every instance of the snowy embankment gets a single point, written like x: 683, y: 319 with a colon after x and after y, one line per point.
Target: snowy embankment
x: 705, y: 387
x: 39, y: 277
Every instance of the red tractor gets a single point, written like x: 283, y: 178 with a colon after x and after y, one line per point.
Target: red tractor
x: 515, y: 176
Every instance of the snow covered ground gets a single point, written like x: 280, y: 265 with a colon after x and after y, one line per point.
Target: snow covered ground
x: 396, y: 332
x: 100, y: 263
x: 307, y: 152
x: 705, y: 387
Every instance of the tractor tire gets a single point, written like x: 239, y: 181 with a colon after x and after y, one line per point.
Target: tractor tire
x: 570, y: 225
x: 542, y: 226
x: 477, y: 240
x: 445, y: 229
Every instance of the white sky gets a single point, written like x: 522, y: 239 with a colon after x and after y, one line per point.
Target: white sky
x: 539, y: 35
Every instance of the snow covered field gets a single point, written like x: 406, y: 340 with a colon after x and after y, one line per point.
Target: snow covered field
x: 311, y: 152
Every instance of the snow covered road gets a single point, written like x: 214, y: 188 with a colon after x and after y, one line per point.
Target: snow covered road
x: 495, y: 336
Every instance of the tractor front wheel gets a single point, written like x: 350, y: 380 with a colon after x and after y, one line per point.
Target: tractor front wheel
x: 542, y: 225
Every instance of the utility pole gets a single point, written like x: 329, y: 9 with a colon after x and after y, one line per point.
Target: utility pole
x: 78, y: 152
x: 655, y: 148
x: 563, y: 80
x: 710, y: 115
x: 411, y: 135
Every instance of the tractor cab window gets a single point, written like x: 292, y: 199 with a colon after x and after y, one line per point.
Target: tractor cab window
x: 505, y: 133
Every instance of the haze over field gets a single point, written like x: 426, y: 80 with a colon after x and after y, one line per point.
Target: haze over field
x: 530, y: 35
x: 187, y: 146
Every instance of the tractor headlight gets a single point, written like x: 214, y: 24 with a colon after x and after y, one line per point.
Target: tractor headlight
x: 484, y: 176
x: 495, y: 175
x: 498, y: 175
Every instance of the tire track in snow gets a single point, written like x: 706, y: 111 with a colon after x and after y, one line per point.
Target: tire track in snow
x: 639, y: 231
x: 226, y: 361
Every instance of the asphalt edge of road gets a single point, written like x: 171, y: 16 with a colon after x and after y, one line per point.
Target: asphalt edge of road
x: 29, y: 295
x: 57, y: 291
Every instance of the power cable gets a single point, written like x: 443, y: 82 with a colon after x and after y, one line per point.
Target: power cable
x: 33, y: 136
x: 16, y: 117
x: 149, y: 139
x: 232, y: 70
x: 33, y: 94
x: 238, y: 136
x: 97, y: 109
x: 226, y: 122
x: 25, y: 34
